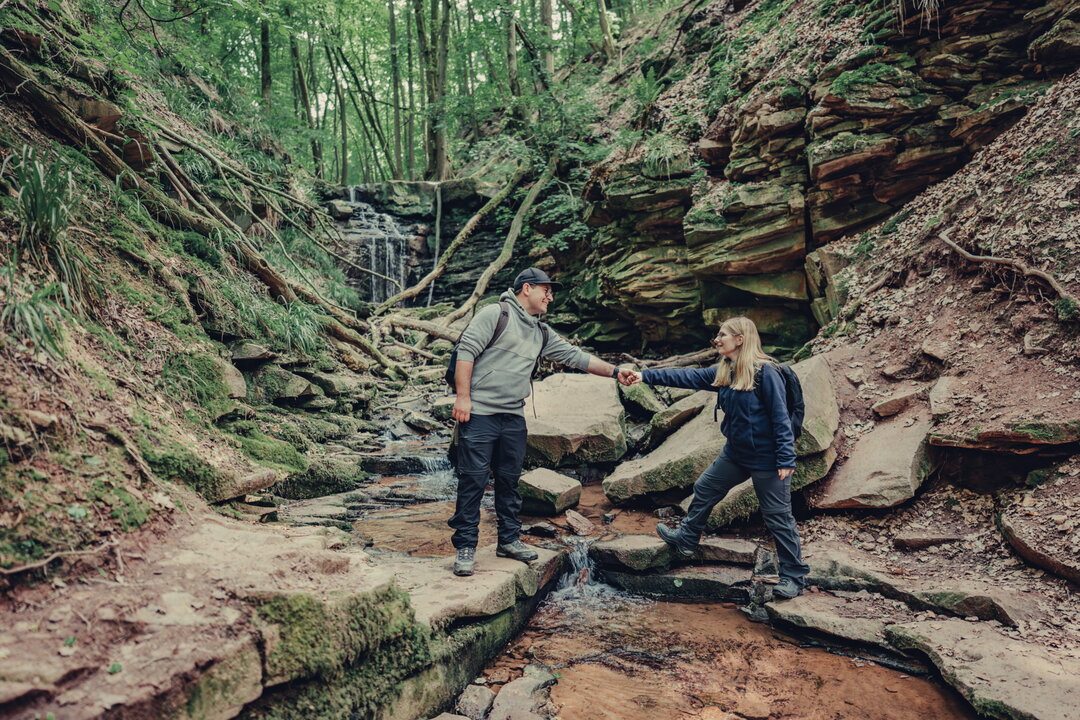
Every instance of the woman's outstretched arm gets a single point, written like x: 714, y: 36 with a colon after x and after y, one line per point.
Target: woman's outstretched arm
x: 690, y: 378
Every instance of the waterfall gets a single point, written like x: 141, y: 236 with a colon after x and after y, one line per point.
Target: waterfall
x: 384, y: 240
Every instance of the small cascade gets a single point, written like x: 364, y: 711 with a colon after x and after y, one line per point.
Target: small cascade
x: 380, y: 242
x: 580, y: 584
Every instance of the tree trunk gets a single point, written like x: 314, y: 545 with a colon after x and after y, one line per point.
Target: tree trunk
x: 510, y: 35
x: 605, y: 30
x: 264, y: 66
x: 410, y: 128
x: 546, y: 32
x: 305, y: 101
x: 395, y: 83
x: 442, y: 145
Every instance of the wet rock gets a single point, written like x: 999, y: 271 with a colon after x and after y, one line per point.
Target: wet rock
x: 827, y: 614
x: 675, y: 464
x: 885, y: 469
x: 421, y: 422
x: 742, y: 501
x: 822, y: 410
x: 1001, y: 677
x: 475, y: 702
x: 578, y: 420
x: 520, y: 699
x: 715, y: 582
x: 921, y: 540
x: 339, y: 209
x: 580, y: 524
x: 546, y: 492
x: 632, y: 552
x: 341, y: 384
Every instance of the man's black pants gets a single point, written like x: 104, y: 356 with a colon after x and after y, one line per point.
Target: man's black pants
x: 488, y: 444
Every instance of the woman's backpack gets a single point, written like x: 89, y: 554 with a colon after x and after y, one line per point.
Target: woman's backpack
x: 793, y: 396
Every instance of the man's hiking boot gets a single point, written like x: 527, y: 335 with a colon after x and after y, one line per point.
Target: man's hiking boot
x: 787, y: 589
x: 517, y: 550
x: 671, y: 537
x: 465, y: 562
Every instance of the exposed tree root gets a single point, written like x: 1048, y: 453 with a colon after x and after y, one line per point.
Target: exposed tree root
x: 508, y: 246
x: 452, y: 248
x: 1019, y: 267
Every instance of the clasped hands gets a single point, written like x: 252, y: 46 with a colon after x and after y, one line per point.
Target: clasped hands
x: 629, y: 377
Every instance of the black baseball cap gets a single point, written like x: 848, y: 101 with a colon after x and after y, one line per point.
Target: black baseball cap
x: 534, y: 276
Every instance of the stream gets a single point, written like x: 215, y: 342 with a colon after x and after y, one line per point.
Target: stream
x: 623, y: 657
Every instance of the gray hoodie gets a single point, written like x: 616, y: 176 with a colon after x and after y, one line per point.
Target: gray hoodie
x: 500, y: 379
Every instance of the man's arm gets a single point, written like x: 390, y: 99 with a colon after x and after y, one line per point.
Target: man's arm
x: 599, y: 367
x: 463, y: 389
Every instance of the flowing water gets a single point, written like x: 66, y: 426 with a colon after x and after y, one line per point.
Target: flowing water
x: 380, y: 241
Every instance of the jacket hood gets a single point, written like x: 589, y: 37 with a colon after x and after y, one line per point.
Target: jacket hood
x: 508, y: 296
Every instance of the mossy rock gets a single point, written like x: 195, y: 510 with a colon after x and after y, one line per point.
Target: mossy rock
x: 324, y: 476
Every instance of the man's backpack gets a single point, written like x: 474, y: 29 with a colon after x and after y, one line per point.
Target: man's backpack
x: 793, y: 397
x: 450, y: 376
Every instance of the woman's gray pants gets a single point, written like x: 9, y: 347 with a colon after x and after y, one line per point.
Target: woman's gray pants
x: 774, y: 495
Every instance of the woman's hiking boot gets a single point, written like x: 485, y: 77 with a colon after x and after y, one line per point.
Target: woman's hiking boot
x: 787, y: 589
x: 465, y: 562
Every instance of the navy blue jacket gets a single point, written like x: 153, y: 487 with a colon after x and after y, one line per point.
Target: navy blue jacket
x: 758, y: 434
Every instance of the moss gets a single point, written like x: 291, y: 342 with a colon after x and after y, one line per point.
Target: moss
x: 852, y: 80
x: 324, y: 476
x: 271, y: 452
x: 129, y: 511
x: 321, y: 638
x: 1045, y: 432
x: 175, y: 462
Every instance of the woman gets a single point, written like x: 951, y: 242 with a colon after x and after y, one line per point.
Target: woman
x: 760, y: 445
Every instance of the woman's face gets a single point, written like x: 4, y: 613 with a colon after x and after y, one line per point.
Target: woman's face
x: 727, y: 344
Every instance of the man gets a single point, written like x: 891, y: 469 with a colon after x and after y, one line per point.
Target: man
x: 492, y: 382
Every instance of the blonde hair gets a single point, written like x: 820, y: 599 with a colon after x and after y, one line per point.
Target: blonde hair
x: 739, y: 372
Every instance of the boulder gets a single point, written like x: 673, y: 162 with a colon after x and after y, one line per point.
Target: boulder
x: 885, y: 469
x: 675, y: 464
x: 275, y: 384
x: 640, y: 400
x: 475, y: 702
x: 783, y: 286
x: 727, y: 550
x: 578, y: 419
x: 742, y: 501
x: 999, y: 676
x: 339, y: 209
x: 898, y: 401
x: 546, y: 492
x: 422, y: 423
x: 580, y: 524
x: 520, y: 699
x: 678, y: 414
x: 234, y: 381
x: 822, y: 417
x: 341, y: 384
x: 941, y: 396
x: 632, y: 552
x: 250, y: 353
x: 914, y: 540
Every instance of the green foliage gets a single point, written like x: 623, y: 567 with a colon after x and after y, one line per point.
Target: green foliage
x: 197, y: 246
x: 1067, y: 309
x: 173, y: 461
x: 197, y: 377
x: 644, y: 90
x: 267, y: 450
x: 35, y: 320
x: 662, y: 155
x: 46, y: 208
